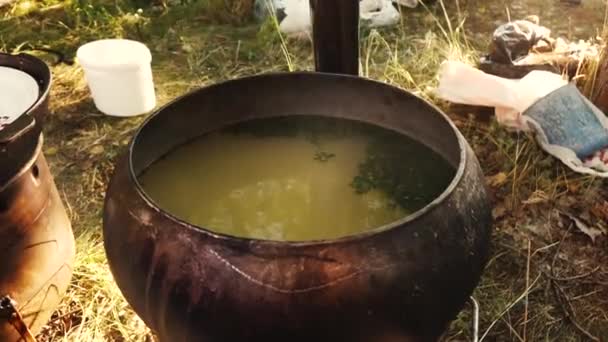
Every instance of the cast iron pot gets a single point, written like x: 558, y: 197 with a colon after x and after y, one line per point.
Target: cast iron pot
x: 401, y: 282
x: 36, y: 240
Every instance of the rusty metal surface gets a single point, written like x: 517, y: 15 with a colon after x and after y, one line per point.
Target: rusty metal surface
x: 36, y: 240
x: 36, y: 245
x: 408, y: 280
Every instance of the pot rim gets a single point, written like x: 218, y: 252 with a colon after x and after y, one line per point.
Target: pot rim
x: 44, y: 93
x: 45, y: 87
x: 303, y: 243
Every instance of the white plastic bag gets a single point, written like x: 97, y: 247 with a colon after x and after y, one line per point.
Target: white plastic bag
x: 407, y: 3
x: 377, y: 13
x: 297, y: 18
x: 294, y: 16
x: 464, y: 84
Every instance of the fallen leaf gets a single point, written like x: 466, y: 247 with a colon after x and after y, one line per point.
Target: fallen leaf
x: 499, y: 211
x: 498, y: 179
x: 536, y: 197
x: 591, y: 232
x: 186, y: 47
x: 539, y: 229
x: 51, y: 151
x: 573, y: 188
x: 567, y: 202
x: 97, y: 149
x: 600, y: 210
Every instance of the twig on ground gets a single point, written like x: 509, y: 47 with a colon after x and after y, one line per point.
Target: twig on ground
x: 67, y: 314
x: 585, y: 295
x: 475, y: 319
x: 568, y: 310
x: 576, y: 277
x: 513, y: 331
x: 527, y: 285
x: 509, y: 307
x: 562, y: 297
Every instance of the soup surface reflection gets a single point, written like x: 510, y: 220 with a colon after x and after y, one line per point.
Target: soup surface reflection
x: 296, y: 178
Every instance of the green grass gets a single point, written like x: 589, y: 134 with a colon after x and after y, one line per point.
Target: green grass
x: 198, y: 43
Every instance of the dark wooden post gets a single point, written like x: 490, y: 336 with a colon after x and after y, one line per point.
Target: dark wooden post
x: 335, y: 25
x: 600, y: 93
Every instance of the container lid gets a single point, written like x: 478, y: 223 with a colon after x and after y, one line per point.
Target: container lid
x: 113, y: 54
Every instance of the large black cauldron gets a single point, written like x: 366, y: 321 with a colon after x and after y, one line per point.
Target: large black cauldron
x: 401, y: 282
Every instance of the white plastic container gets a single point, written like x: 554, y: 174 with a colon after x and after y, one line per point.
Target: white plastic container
x: 119, y: 76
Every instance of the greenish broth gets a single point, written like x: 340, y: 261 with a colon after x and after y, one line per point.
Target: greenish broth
x: 296, y: 178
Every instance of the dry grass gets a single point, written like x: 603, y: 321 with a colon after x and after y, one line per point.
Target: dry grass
x: 229, y: 11
x: 545, y: 277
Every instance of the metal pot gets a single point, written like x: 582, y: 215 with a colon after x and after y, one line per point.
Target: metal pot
x: 36, y: 240
x: 402, y: 282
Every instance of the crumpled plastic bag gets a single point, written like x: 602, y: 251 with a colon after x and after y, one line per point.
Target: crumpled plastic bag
x: 407, y: 3
x: 294, y: 16
x: 514, y: 40
x: 378, y: 13
x: 533, y: 104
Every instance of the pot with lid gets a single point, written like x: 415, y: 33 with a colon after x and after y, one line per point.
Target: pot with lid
x: 36, y: 239
x: 402, y: 281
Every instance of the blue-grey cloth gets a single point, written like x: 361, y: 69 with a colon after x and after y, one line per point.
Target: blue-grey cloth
x: 568, y: 119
